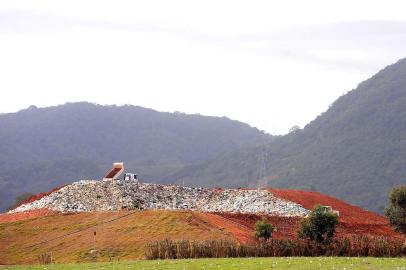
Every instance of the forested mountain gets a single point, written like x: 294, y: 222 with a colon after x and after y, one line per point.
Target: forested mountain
x: 356, y: 150
x: 47, y: 147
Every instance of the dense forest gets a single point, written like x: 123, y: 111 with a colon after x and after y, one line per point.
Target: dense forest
x: 356, y: 150
x: 46, y: 147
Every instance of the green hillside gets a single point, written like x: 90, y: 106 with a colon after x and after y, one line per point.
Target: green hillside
x: 355, y: 151
x: 47, y: 147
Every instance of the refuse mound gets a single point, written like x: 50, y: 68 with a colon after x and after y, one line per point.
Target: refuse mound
x: 113, y: 195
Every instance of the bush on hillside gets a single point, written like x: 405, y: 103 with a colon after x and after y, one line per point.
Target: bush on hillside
x: 319, y: 226
x: 396, y: 211
x: 263, y: 230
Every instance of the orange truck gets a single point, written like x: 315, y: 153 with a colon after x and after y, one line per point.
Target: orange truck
x: 117, y: 170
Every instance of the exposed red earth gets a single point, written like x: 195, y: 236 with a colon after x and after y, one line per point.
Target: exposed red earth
x: 348, y: 213
x: 242, y: 225
x: 237, y: 228
x: 4, y: 218
x: 353, y: 219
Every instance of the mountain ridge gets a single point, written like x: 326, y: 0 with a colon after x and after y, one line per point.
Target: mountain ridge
x: 47, y: 147
x: 354, y: 150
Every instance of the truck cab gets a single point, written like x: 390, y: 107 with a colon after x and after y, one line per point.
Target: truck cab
x: 130, y: 177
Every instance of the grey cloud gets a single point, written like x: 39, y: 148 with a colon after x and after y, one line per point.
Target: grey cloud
x: 382, y: 41
x: 33, y: 22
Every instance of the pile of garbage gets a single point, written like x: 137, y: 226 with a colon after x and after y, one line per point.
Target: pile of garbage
x: 113, y: 195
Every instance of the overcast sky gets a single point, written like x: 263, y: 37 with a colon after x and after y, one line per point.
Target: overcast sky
x: 272, y: 64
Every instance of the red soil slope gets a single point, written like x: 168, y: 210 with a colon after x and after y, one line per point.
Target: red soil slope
x: 353, y: 220
x: 348, y: 213
x: 238, y: 229
x: 241, y: 226
x: 5, y: 218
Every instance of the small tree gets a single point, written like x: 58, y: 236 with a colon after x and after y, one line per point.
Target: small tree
x: 294, y: 129
x: 319, y: 226
x: 263, y: 230
x: 396, y: 211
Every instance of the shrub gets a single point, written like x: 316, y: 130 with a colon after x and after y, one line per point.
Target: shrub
x: 263, y: 230
x: 319, y: 226
x: 396, y: 211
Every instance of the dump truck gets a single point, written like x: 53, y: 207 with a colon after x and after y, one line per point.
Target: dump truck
x: 117, y: 170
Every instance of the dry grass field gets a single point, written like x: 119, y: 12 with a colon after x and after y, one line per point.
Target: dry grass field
x: 119, y: 235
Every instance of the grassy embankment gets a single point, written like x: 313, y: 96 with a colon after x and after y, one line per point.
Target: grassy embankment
x: 70, y: 238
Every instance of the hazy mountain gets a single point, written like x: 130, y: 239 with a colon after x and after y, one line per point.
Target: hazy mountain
x: 356, y: 150
x: 43, y: 148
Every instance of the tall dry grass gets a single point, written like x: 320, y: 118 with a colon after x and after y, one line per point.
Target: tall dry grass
x: 348, y: 247
x: 45, y: 258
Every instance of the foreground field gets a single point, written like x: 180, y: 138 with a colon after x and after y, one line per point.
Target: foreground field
x: 228, y: 264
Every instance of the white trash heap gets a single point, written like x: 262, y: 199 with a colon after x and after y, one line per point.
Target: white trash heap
x: 113, y: 195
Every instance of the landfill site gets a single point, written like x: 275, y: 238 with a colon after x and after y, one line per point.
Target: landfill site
x: 113, y: 194
x: 124, y: 192
x: 91, y: 195
x: 119, y: 213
